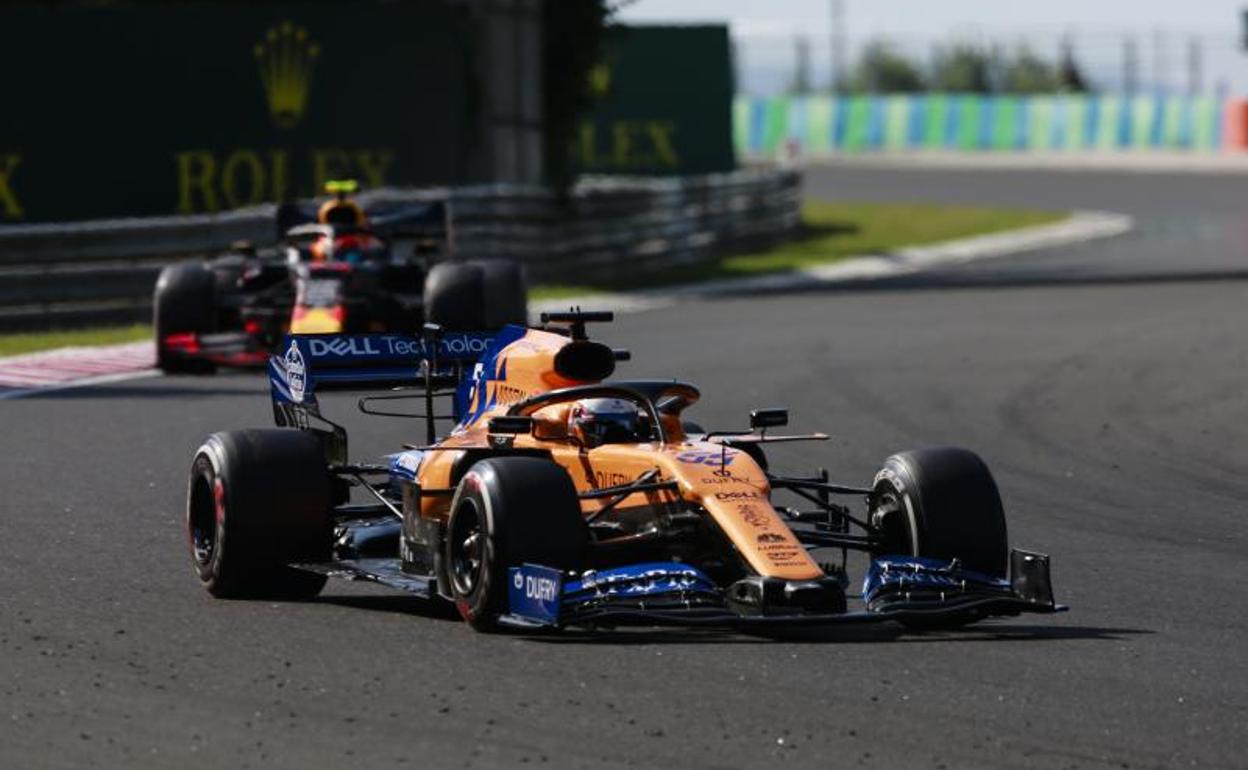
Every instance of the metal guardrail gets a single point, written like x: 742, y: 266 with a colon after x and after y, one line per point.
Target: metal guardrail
x: 97, y: 272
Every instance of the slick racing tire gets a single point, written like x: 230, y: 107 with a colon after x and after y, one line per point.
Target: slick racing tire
x: 944, y: 504
x: 259, y: 500
x: 184, y: 303
x: 476, y: 295
x: 508, y: 511
x: 506, y: 294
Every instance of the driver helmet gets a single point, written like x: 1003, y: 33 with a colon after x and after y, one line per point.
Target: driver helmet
x: 597, y: 421
x: 341, y: 211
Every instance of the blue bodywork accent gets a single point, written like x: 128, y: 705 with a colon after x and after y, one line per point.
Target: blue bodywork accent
x: 639, y: 580
x: 288, y: 376
x: 533, y: 593
x: 471, y: 397
x: 539, y: 595
x: 404, y: 465
x: 304, y: 360
x: 891, y: 574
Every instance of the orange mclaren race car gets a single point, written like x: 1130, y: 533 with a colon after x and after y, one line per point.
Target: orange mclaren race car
x: 562, y: 497
x: 337, y: 270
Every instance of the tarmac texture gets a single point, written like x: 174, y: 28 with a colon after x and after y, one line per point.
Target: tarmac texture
x: 1106, y: 385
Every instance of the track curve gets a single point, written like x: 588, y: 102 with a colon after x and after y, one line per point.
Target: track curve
x: 1115, y: 417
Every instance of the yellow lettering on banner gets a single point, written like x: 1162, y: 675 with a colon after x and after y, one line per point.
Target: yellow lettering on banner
x: 622, y: 143
x: 633, y: 144
x: 374, y: 165
x: 247, y: 176
x: 279, y: 174
x: 254, y: 175
x: 587, y: 145
x: 327, y: 165
x: 197, y: 171
x: 662, y: 135
x: 8, y: 199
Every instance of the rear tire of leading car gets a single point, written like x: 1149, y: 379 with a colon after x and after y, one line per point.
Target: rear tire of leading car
x: 944, y: 504
x: 476, y: 295
x: 508, y: 511
x: 184, y: 303
x: 258, y: 501
x: 506, y: 293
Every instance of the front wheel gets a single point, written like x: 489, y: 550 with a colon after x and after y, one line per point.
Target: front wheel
x: 944, y: 504
x: 508, y: 511
x: 941, y: 503
x: 258, y: 501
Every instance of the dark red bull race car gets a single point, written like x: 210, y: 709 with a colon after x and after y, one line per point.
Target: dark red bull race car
x: 336, y: 270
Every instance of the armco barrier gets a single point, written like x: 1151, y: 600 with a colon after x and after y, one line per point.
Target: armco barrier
x: 821, y: 124
x: 608, y: 227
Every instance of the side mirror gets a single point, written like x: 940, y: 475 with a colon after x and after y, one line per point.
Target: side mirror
x: 504, y: 429
x: 768, y: 418
x: 511, y: 426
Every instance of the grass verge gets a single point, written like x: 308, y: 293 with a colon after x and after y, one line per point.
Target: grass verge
x: 29, y: 342
x: 832, y: 231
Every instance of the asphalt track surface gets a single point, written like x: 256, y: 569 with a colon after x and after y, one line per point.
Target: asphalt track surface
x: 1115, y: 415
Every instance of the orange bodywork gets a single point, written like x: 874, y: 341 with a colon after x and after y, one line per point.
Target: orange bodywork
x: 316, y: 320
x: 725, y: 482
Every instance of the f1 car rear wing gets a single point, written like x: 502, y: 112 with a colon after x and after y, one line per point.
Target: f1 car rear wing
x: 425, y: 223
x: 437, y: 364
x: 309, y: 363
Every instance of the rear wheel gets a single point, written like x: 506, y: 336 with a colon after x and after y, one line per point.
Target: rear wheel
x: 184, y: 303
x: 944, y: 504
x: 508, y: 511
x: 258, y: 501
x: 506, y: 295
x: 475, y: 295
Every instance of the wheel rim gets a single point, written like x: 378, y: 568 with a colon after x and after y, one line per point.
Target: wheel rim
x: 206, y: 511
x: 467, y: 539
x: 891, y: 519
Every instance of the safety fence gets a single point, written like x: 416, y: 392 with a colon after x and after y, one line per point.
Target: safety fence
x: 607, y: 228
x: 821, y: 124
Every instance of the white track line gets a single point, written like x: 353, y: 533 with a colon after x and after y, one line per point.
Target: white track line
x: 1079, y: 227
x: 103, y: 379
x: 75, y: 367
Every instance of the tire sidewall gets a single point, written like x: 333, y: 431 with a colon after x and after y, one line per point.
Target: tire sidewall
x: 530, y: 514
x: 184, y: 301
x: 255, y: 537
x: 480, y: 607
x: 207, y: 465
x: 897, y: 477
x: 949, y: 513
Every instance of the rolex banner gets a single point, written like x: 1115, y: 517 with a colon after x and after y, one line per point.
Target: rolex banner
x: 663, y: 103
x: 137, y: 110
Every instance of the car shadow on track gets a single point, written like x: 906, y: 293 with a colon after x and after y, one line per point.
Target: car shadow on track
x: 857, y: 634
x: 885, y: 632
x: 400, y: 604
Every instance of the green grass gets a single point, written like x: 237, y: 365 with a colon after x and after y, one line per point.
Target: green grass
x: 29, y: 342
x: 832, y: 231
